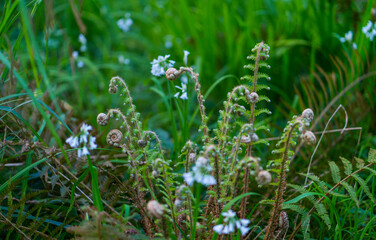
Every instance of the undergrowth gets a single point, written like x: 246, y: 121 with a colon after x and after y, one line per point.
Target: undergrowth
x: 221, y: 175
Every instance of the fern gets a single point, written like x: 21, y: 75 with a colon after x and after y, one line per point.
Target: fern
x: 338, y: 184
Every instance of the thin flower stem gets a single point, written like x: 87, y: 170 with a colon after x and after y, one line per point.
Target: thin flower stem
x: 200, y: 100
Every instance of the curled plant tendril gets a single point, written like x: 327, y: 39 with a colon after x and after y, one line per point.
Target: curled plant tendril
x: 114, y: 137
x: 263, y: 178
x: 142, y: 143
x: 309, y: 138
x: 112, y: 89
x: 172, y: 74
x: 102, y: 119
x: 253, y: 97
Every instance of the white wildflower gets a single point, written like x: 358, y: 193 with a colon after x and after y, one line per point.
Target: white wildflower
x: 83, y: 141
x: 183, y: 93
x: 184, y: 79
x: 186, y: 53
x: 349, y: 38
x: 72, y: 141
x: 370, y: 30
x: 200, y: 173
x: 85, y: 128
x: 75, y: 54
x: 123, y: 60
x: 160, y: 65
x: 184, y: 96
x: 83, y: 48
x: 230, y: 222
x: 80, y: 64
x: 125, y: 23
x: 82, y: 39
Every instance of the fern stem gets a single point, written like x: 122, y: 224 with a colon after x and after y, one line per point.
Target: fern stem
x: 281, y: 187
x: 243, y: 205
x: 327, y: 193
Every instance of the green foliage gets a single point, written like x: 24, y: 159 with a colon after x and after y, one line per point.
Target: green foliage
x: 46, y: 94
x: 337, y: 188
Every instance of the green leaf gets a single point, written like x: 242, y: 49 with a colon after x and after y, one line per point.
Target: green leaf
x: 348, y: 166
x: 335, y: 172
x: 302, y: 196
x: 372, y: 155
x: 364, y: 186
x: 351, y: 191
x: 21, y: 173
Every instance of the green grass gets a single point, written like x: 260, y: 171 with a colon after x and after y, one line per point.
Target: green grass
x: 45, y: 96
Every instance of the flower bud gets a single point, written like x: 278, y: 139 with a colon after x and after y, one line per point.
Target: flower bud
x: 155, y: 209
x: 263, y: 178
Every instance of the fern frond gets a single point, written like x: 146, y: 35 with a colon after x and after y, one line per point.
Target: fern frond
x: 364, y: 186
x: 261, y: 111
x: 263, y: 75
x: 347, y: 164
x: 351, y: 192
x: 260, y: 87
x: 335, y: 172
x: 264, y: 98
x: 295, y: 208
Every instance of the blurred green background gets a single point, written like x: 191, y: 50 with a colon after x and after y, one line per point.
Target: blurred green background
x: 304, y: 36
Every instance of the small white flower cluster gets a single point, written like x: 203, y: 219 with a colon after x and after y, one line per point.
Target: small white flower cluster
x: 160, y: 65
x: 183, y: 93
x: 200, y: 173
x: 230, y: 222
x: 125, y: 23
x: 184, y: 80
x: 349, y: 38
x: 123, y: 60
x: 83, y: 41
x: 82, y: 140
x: 80, y: 64
x: 370, y: 30
x: 83, y: 48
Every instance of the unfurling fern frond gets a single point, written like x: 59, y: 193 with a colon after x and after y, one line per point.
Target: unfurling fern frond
x: 295, y: 128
